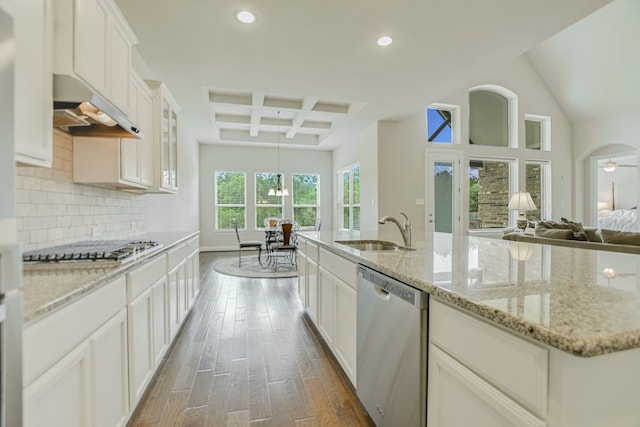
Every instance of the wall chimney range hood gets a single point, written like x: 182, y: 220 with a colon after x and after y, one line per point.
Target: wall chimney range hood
x: 81, y: 112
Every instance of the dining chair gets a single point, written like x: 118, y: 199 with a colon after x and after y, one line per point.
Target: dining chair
x: 288, y: 247
x: 272, y: 234
x: 317, y: 225
x: 247, y: 244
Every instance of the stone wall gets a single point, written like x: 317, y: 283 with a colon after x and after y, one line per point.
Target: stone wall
x: 493, y: 194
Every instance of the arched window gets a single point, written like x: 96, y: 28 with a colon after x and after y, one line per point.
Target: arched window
x: 492, y: 113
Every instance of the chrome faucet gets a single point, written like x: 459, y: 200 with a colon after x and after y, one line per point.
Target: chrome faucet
x: 405, y: 229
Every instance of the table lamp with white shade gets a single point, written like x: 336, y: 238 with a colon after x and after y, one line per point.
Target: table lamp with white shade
x: 522, y: 202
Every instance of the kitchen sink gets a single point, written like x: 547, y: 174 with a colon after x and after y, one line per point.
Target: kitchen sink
x: 373, y: 245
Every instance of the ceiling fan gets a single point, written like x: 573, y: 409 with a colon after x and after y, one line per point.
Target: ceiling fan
x: 611, y: 166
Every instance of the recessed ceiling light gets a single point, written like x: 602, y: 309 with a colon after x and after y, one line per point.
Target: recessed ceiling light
x: 246, y: 17
x: 384, y: 41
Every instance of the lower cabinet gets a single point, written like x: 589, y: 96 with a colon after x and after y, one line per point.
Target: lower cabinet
x: 331, y: 304
x: 76, y: 357
x: 312, y: 289
x: 89, y: 363
x: 302, y: 279
x: 500, y: 379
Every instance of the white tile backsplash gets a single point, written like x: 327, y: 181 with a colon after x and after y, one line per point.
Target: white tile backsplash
x: 52, y: 210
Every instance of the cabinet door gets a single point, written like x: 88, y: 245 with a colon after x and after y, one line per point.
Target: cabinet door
x: 141, y: 358
x: 175, y: 298
x: 312, y: 282
x: 159, y: 292
x: 302, y: 280
x: 62, y: 395
x: 33, y: 84
x: 458, y: 397
x: 129, y: 160
x: 326, y: 292
x: 345, y: 339
x: 110, y: 373
x: 183, y: 294
x: 165, y: 143
x: 144, y: 122
x: 90, y: 43
x: 119, y: 61
x: 173, y: 163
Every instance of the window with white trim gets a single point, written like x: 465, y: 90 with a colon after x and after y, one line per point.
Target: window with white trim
x: 230, y: 199
x: 537, y: 184
x: 493, y: 112
x: 443, y: 124
x: 266, y: 206
x: 305, y: 198
x: 537, y: 132
x: 350, y: 197
x: 490, y: 187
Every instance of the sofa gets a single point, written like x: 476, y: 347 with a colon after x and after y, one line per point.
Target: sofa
x: 572, y: 234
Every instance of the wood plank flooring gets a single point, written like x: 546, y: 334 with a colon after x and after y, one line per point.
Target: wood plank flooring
x: 247, y: 357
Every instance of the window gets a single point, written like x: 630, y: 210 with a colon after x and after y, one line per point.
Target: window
x: 230, y: 199
x: 491, y: 113
x: 442, y: 124
x: 266, y: 206
x: 489, y: 191
x: 537, y: 131
x: 306, y: 198
x: 536, y: 185
x: 350, y: 198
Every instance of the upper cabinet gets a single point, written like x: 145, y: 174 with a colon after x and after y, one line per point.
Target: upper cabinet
x: 164, y: 138
x: 93, y: 43
x: 33, y: 83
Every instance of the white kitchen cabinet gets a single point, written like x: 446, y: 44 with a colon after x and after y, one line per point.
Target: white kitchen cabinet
x: 177, y: 301
x: 93, y: 43
x: 312, y: 287
x: 193, y: 269
x: 61, y: 396
x: 164, y: 134
x: 136, y: 155
x: 74, y: 359
x: 459, y: 397
x: 337, y: 308
x: 303, y: 279
x: 147, y: 329
x: 33, y: 97
x: 345, y: 338
x: 141, y: 332
x: 109, y: 364
x: 326, y: 303
x: 109, y: 162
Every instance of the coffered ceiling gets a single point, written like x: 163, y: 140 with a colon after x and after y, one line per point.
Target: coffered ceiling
x: 258, y: 117
x: 230, y: 79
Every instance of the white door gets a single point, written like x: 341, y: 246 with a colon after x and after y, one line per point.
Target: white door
x: 443, y: 192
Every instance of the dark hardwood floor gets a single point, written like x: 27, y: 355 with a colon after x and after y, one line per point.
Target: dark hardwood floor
x: 247, y: 357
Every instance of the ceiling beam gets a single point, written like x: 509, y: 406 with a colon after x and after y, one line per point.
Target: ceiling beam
x: 257, y: 101
x: 307, y: 105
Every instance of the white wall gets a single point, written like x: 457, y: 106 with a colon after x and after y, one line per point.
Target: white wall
x: 250, y: 160
x: 178, y: 212
x: 360, y: 147
x: 402, y: 145
x: 595, y: 137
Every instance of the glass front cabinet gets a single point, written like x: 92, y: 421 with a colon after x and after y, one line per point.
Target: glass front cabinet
x: 164, y: 134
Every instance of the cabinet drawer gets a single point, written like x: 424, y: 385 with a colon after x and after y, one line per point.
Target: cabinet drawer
x: 342, y: 268
x: 143, y: 277
x: 48, y: 340
x: 176, y: 255
x: 312, y: 252
x: 515, y: 366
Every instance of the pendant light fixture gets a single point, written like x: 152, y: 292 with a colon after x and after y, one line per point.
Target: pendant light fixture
x: 280, y: 190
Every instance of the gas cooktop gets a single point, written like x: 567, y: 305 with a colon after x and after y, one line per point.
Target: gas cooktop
x: 90, y: 252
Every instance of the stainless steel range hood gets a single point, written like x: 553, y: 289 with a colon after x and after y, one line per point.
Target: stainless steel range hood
x: 79, y: 111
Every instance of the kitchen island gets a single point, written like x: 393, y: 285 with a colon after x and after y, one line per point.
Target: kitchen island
x: 575, y: 315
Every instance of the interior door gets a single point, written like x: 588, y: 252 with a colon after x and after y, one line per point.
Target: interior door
x: 443, y: 193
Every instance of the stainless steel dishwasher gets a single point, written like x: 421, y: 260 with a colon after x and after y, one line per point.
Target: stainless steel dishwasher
x: 391, y: 380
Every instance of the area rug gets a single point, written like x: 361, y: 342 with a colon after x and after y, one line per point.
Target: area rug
x: 251, y: 268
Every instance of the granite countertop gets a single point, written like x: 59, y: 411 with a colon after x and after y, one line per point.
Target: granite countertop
x: 584, y: 302
x: 50, y: 287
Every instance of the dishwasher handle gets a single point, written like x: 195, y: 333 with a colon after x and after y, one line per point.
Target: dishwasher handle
x: 393, y: 287
x: 382, y: 293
